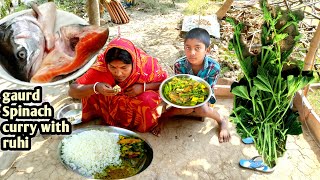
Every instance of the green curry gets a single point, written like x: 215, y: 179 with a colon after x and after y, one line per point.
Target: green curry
x: 185, y: 91
x: 133, y: 157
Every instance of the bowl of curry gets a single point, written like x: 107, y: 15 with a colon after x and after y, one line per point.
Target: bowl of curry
x: 185, y: 91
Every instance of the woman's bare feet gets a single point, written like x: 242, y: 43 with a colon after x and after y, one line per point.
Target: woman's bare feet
x: 157, y: 129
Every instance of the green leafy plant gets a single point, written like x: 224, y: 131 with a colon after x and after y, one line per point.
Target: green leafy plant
x: 263, y: 97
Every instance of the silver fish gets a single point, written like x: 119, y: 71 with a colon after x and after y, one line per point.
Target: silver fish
x: 24, y: 40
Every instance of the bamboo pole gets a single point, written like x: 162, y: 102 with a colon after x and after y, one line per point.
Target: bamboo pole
x: 110, y: 11
x: 93, y: 12
x: 116, y: 13
x: 122, y: 13
x: 310, y: 60
x: 224, y: 9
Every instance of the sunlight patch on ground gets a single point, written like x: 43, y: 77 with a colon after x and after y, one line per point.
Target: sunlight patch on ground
x: 29, y: 169
x: 201, y: 162
x: 250, y: 150
x: 185, y: 172
x: 222, y: 110
x: 188, y: 173
x: 3, y: 172
x: 214, y: 140
x: 207, y: 127
x: 235, y: 140
x: 38, y: 143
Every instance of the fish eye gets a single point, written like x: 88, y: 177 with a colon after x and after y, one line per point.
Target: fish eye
x: 22, y: 54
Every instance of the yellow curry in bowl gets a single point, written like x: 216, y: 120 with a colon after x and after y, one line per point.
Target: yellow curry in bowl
x: 185, y: 90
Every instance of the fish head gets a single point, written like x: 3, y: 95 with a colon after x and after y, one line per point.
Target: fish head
x: 22, y: 47
x: 75, y: 45
x: 75, y: 36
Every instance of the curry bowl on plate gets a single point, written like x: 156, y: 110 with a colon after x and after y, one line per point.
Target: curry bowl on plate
x: 185, y: 91
x: 72, y: 112
x: 105, y: 152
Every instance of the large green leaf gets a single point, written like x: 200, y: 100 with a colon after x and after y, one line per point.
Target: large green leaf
x: 247, y: 66
x: 292, y: 125
x: 297, y: 83
x: 279, y: 37
x: 262, y: 81
x: 253, y: 91
x: 241, y: 91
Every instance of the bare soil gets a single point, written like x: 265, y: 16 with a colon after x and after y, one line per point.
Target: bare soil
x: 160, y: 35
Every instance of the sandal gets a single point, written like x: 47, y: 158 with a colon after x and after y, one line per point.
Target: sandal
x: 248, y: 140
x: 255, y: 164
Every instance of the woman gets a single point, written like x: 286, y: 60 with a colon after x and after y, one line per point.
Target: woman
x: 139, y: 77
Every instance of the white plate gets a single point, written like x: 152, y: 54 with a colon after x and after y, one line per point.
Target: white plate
x: 73, y: 110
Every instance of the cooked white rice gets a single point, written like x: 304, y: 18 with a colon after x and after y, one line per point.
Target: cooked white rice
x: 91, y: 151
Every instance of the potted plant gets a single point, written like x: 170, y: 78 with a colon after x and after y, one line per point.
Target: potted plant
x: 263, y: 97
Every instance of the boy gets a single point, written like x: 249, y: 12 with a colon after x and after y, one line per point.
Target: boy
x: 196, y: 62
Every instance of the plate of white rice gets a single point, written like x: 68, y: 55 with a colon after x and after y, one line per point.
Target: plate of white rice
x: 88, y: 151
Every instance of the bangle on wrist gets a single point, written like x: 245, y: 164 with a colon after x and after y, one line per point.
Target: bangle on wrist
x: 94, y: 88
x: 144, y: 87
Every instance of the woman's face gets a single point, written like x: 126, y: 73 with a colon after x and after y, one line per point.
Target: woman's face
x: 119, y: 70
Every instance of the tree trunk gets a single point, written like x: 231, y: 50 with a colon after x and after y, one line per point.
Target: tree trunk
x: 310, y: 60
x: 93, y: 12
x: 224, y: 9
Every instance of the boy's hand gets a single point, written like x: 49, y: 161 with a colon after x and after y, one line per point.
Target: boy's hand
x: 134, y: 90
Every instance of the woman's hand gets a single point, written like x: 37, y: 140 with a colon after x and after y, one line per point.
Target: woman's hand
x: 105, y: 89
x: 134, y: 90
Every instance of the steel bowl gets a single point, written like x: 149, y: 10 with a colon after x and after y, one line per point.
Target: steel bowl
x: 192, y: 77
x: 110, y: 129
x: 72, y: 112
x: 63, y: 18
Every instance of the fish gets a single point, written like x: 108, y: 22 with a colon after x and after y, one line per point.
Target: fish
x: 83, y: 43
x: 31, y: 51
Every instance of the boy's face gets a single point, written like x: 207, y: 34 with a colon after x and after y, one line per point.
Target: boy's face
x: 195, y: 51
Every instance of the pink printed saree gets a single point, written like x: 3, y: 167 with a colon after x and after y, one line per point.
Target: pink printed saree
x: 136, y: 113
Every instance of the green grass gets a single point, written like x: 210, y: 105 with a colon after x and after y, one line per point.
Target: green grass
x: 201, y: 7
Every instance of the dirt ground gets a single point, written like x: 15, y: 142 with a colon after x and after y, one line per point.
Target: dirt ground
x: 163, y: 39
